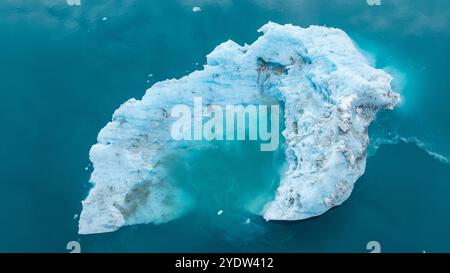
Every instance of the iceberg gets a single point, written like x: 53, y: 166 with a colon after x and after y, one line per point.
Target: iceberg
x: 73, y: 2
x: 330, y: 94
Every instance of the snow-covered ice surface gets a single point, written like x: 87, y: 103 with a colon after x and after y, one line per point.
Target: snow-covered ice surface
x: 330, y: 95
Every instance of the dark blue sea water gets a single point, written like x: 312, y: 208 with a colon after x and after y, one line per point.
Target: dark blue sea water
x: 65, y: 69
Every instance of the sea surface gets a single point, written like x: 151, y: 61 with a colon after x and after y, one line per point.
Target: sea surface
x: 65, y: 69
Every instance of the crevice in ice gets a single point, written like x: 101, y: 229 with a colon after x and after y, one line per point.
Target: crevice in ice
x: 265, y: 70
x: 136, y: 197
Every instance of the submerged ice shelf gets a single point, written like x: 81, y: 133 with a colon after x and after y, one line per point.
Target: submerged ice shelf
x: 330, y: 95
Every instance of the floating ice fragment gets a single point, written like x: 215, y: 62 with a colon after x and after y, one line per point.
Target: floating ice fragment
x: 196, y: 9
x: 220, y: 212
x: 73, y: 2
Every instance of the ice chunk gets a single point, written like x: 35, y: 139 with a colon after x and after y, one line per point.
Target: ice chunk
x: 330, y: 95
x: 73, y: 2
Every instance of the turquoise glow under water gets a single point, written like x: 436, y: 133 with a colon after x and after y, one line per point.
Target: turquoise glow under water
x: 64, y: 70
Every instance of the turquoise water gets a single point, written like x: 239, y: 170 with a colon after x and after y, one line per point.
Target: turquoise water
x: 64, y: 70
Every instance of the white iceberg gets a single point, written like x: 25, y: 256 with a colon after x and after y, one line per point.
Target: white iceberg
x: 330, y: 94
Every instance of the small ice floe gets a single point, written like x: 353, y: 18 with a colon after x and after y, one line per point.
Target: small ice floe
x: 248, y: 221
x: 104, y: 18
x: 73, y: 2
x: 75, y: 216
x: 87, y: 168
x: 150, y: 75
x: 196, y: 9
x: 220, y: 212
